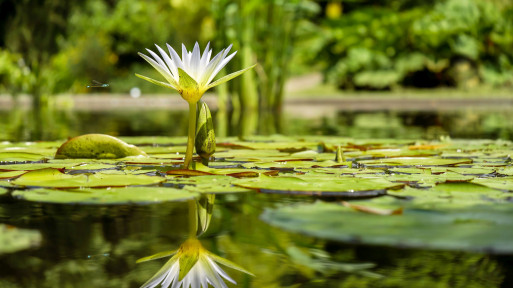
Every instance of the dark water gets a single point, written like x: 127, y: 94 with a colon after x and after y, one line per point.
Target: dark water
x: 21, y: 125
x: 97, y: 246
x: 91, y: 246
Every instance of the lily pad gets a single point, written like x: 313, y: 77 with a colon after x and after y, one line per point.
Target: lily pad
x: 3, y: 191
x: 14, y: 239
x: 319, y: 185
x: 20, y: 157
x: 97, y: 146
x: 476, y: 228
x: 11, y: 174
x: 128, y: 195
x: 295, y: 164
x: 59, y: 164
x: 208, y: 184
x: 51, y: 177
x: 414, y: 161
x: 502, y: 183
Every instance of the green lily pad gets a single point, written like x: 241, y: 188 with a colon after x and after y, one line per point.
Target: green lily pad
x: 47, y: 152
x: 128, y: 195
x: 319, y: 185
x: 502, y: 183
x: 476, y: 228
x: 213, y: 184
x: 426, y: 179
x: 413, y: 161
x: 465, y: 170
x: 59, y: 164
x: 3, y: 191
x: 453, y: 194
x: 51, y: 177
x: 294, y: 164
x: 96, y: 146
x: 11, y: 174
x: 14, y: 239
x: 20, y: 157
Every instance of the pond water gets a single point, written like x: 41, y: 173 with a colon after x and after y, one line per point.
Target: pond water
x: 98, y: 245
x: 22, y: 124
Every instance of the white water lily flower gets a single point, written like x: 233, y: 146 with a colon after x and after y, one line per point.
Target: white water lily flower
x: 192, y: 74
x: 191, y: 266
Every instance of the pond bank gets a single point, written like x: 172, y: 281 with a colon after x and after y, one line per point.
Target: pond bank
x: 313, y: 106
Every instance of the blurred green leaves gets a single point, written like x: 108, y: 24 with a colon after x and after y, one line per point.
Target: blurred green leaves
x: 457, y: 43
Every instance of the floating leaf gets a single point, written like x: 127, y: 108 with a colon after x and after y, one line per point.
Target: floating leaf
x: 59, y: 164
x: 128, y: 195
x: 208, y: 184
x: 476, y: 228
x: 3, y: 191
x: 51, y: 177
x: 97, y: 146
x: 20, y: 157
x: 295, y: 164
x: 11, y: 174
x: 319, y: 186
x: 503, y: 183
x: 413, y: 161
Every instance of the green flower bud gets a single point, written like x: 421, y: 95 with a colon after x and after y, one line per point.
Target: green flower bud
x: 205, y: 137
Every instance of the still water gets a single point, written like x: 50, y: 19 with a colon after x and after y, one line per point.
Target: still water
x: 91, y: 246
x: 22, y: 124
x: 97, y: 246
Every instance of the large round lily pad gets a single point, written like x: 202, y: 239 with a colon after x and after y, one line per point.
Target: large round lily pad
x: 319, y: 185
x: 128, y: 195
x: 476, y: 228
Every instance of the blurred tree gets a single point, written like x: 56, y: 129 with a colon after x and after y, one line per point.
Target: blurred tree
x: 384, y: 44
x: 265, y: 32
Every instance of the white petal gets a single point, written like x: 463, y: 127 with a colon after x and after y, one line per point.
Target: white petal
x: 195, y: 61
x: 175, y: 57
x: 220, y: 271
x: 185, y: 58
x: 162, y: 71
x: 159, y: 60
x: 163, y: 273
x: 206, y: 56
x: 221, y: 66
x: 172, y: 276
x: 169, y: 62
x: 210, y: 68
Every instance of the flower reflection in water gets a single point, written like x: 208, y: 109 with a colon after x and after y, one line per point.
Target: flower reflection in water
x: 192, y: 265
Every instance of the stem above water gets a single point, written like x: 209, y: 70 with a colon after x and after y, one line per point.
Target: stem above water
x: 191, y: 135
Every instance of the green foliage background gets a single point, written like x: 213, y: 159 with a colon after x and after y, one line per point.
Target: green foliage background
x: 419, y: 43
x: 59, y: 46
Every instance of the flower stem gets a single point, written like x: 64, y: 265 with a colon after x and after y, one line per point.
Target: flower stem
x: 191, y: 135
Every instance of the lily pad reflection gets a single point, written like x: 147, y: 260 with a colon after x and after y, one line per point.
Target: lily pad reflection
x: 13, y: 239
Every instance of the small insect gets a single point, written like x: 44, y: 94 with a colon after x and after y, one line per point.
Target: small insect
x: 95, y: 83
